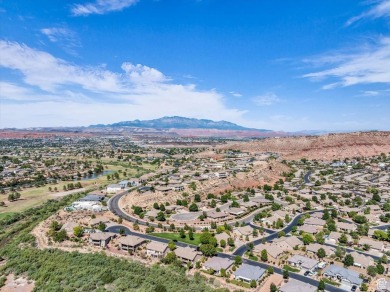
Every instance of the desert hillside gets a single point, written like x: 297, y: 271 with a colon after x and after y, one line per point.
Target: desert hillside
x: 326, y: 147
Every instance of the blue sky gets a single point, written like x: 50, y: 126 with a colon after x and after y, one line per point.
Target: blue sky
x: 281, y: 65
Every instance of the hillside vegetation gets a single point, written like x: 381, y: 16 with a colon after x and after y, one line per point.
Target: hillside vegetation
x: 55, y: 270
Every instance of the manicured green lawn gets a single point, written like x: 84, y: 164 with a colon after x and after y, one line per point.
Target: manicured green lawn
x: 290, y: 269
x: 240, y: 283
x: 176, y: 236
x: 327, y: 281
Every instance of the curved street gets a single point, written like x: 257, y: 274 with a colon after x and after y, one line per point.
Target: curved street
x: 114, y: 207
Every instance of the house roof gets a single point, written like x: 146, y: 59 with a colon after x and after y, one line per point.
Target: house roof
x: 336, y: 235
x: 131, y: 240
x: 157, y: 246
x: 315, y: 221
x: 314, y: 247
x: 249, y: 272
x: 273, y: 250
x: 347, y: 226
x: 304, y: 262
x: 187, y: 253
x: 101, y: 235
x: 308, y: 228
x: 216, y: 263
x: 291, y: 240
x: 245, y: 230
x: 351, y: 276
x: 374, y: 244
x: 216, y: 215
x: 361, y: 259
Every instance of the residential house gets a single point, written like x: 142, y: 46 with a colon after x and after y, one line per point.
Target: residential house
x: 216, y: 215
x: 344, y: 275
x: 308, y: 228
x: 377, y: 245
x: 130, y: 242
x: 101, y: 238
x: 221, y: 174
x: 362, y: 261
x: 217, y: 264
x: 124, y: 183
x: 347, y: 227
x: 187, y: 254
x: 314, y: 247
x: 302, y: 262
x: 243, y: 231
x: 236, y: 211
x: 113, y: 188
x: 315, y: 222
x: 156, y: 249
x: 273, y: 251
x: 248, y: 273
x: 334, y: 237
x: 287, y: 243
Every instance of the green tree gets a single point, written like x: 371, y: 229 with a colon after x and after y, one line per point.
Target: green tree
x: 222, y: 243
x: 264, y: 255
x: 343, y: 238
x: 307, y: 239
x: 237, y: 260
x: 55, y: 226
x: 321, y: 285
x: 160, y: 216
x: 253, y: 284
x: 348, y: 260
x: 78, y: 231
x: 321, y: 253
x: 193, y: 208
x: 285, y: 274
x: 380, y: 268
x: 182, y: 233
x: 372, y: 271
x: 270, y: 270
x: 191, y: 234
x: 320, y: 237
x: 273, y: 288
x: 171, y: 245
x: 101, y: 226
x: 208, y: 250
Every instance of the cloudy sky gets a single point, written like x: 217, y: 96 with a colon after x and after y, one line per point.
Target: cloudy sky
x: 273, y: 64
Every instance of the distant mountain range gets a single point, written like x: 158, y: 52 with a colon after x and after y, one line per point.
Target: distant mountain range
x: 176, y: 122
x: 175, y: 127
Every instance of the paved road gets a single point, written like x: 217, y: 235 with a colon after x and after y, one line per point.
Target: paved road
x: 242, y: 249
x: 351, y: 250
x: 114, y: 207
x: 381, y: 227
x: 295, y: 276
x: 306, y: 178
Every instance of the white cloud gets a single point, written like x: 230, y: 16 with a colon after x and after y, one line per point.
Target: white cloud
x: 266, y: 99
x: 381, y: 9
x: 369, y: 65
x: 68, y: 94
x: 101, y: 7
x: 67, y: 39
x: 236, y: 94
